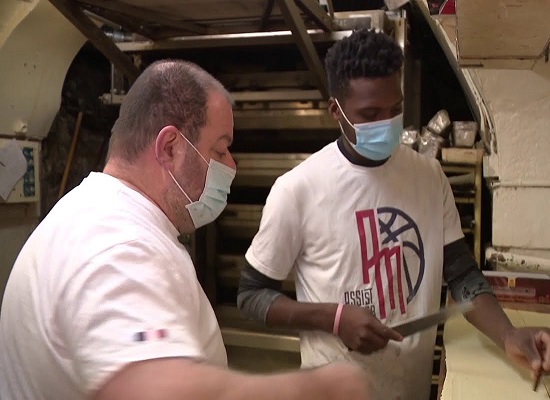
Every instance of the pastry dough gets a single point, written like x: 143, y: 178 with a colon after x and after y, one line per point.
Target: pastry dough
x: 478, y: 369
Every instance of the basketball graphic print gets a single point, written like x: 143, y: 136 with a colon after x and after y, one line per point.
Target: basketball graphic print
x: 392, y: 256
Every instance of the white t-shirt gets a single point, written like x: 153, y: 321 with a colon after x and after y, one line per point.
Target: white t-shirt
x: 372, y: 237
x: 101, y: 282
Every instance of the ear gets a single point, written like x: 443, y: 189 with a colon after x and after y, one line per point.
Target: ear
x: 333, y: 109
x: 168, y: 148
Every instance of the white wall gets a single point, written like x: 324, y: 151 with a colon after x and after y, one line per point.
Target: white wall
x: 12, y: 12
x: 34, y: 59
x: 519, y: 103
x: 516, y: 104
x: 37, y: 46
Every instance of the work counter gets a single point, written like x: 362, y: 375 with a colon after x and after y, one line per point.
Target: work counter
x: 473, y: 367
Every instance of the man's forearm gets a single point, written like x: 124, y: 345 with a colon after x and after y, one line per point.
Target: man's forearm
x: 287, y: 313
x: 489, y: 317
x: 177, y: 379
x: 467, y: 282
x: 299, y: 386
x: 259, y: 297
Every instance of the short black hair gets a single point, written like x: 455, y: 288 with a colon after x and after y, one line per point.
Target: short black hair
x: 366, y: 53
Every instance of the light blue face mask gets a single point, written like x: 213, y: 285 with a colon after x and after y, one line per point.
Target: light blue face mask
x: 213, y: 199
x: 375, y: 140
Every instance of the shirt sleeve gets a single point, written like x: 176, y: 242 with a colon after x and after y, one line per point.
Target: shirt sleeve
x: 256, y: 293
x: 452, y: 230
x: 465, y: 279
x: 122, y: 307
x: 278, y: 242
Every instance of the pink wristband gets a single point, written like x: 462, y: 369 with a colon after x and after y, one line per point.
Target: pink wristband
x: 336, y: 326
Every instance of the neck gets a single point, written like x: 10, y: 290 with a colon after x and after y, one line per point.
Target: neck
x: 127, y: 174
x: 355, y: 158
x: 146, y: 178
x: 137, y: 179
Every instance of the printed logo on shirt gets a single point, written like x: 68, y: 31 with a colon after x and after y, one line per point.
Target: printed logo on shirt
x: 360, y: 297
x: 151, y: 334
x: 393, y: 253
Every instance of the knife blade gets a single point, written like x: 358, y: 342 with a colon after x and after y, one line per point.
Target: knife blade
x: 538, y: 375
x: 410, y: 327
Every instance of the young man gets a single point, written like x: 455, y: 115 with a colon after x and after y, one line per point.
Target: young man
x: 103, y: 301
x: 370, y: 230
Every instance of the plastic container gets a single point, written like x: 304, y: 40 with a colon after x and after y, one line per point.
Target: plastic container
x: 410, y: 138
x: 464, y: 133
x: 440, y: 123
x: 430, y: 145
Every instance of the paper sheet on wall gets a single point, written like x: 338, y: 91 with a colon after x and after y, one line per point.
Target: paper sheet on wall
x: 13, y: 166
x: 478, y: 369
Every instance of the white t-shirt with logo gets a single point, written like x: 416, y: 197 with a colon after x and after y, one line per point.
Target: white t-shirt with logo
x: 372, y: 237
x: 101, y: 282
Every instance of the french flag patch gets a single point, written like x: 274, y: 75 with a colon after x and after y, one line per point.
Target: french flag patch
x: 151, y: 334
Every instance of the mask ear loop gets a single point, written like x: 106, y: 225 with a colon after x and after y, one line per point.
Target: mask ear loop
x: 347, y: 120
x: 198, y: 152
x: 172, y: 175
x: 344, y: 134
x: 342, y: 111
x: 179, y: 186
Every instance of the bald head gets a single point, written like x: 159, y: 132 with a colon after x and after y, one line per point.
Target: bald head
x: 168, y: 92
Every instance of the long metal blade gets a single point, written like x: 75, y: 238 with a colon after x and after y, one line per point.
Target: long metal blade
x: 420, y: 324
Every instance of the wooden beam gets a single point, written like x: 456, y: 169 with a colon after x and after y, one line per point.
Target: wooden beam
x: 147, y: 15
x: 330, y: 8
x: 233, y: 40
x: 293, y: 18
x: 129, y: 23
x: 493, y: 29
x: 314, y: 10
x: 95, y: 35
x: 267, y: 80
x: 266, y: 14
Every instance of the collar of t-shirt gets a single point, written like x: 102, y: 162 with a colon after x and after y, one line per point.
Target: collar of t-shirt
x: 137, y: 199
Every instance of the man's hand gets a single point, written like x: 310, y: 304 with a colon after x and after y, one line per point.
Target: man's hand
x: 529, y: 347
x: 360, y: 330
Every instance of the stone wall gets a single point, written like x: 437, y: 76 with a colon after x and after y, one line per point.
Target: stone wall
x: 87, y: 79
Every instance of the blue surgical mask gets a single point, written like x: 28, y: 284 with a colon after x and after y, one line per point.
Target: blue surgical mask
x: 375, y: 140
x: 213, y: 199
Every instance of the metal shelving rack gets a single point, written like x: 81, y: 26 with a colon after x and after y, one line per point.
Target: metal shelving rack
x: 470, y: 205
x: 179, y: 29
x: 229, y: 237
x: 241, y: 221
x: 468, y: 200
x: 276, y: 127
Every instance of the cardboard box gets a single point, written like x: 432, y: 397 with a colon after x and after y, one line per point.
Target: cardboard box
x: 519, y: 287
x: 461, y: 156
x: 509, y: 34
